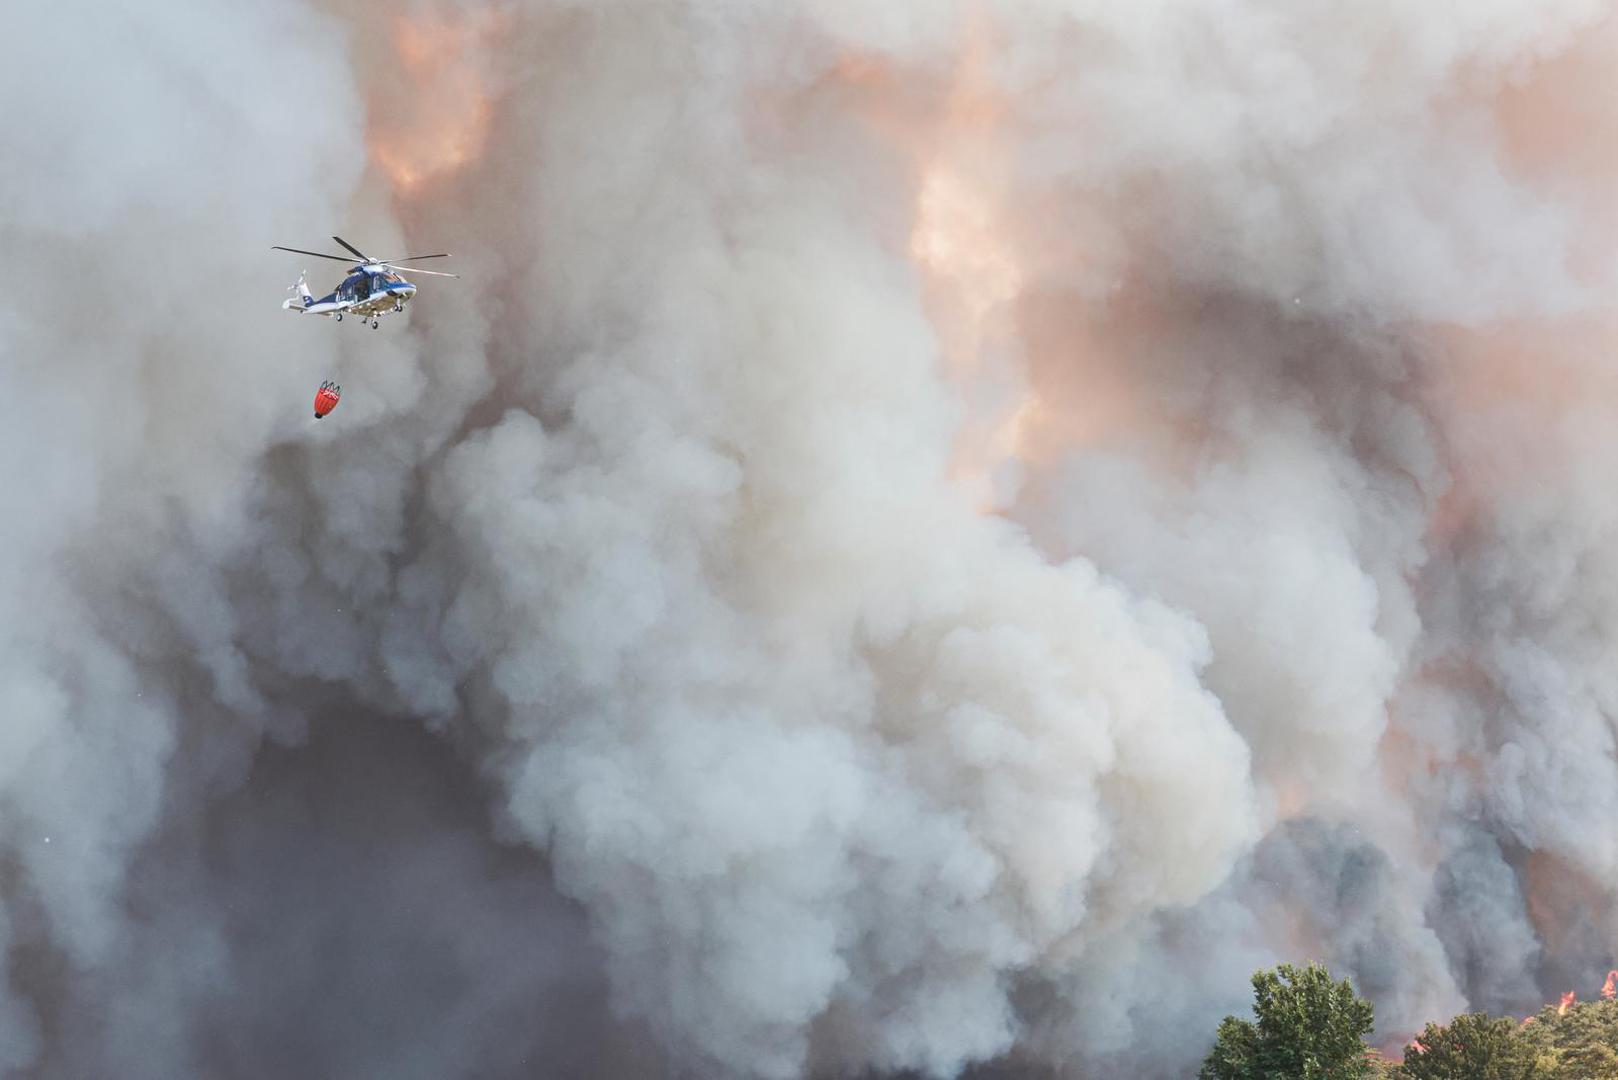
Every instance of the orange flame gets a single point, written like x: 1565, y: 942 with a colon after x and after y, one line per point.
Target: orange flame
x: 1609, y: 989
x: 1567, y: 1003
x: 440, y: 121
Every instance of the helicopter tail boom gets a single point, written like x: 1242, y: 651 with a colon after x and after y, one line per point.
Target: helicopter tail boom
x: 305, y: 297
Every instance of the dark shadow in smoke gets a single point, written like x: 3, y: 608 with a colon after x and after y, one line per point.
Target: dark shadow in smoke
x: 1478, y: 911
x: 346, y: 912
x: 1340, y: 892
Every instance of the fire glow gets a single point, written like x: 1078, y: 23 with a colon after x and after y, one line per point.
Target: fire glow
x: 450, y: 108
x: 960, y: 242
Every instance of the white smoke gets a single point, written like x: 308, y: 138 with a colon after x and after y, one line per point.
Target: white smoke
x: 1288, y: 643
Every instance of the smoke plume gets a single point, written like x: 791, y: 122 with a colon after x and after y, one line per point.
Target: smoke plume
x: 927, y: 536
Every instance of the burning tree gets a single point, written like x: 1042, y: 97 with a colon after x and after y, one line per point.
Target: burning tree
x: 1471, y: 1047
x: 1574, y: 1041
x: 1307, y: 1027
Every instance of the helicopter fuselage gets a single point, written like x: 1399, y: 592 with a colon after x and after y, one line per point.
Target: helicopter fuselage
x: 366, y: 293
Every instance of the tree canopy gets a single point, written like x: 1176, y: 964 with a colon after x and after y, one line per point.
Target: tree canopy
x: 1305, y: 1027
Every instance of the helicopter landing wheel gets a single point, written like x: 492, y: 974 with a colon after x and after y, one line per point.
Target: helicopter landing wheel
x: 375, y: 323
x: 339, y: 317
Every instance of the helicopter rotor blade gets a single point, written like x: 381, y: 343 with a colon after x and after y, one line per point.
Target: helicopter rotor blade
x: 416, y: 270
x: 316, y: 254
x: 413, y: 258
x: 363, y: 257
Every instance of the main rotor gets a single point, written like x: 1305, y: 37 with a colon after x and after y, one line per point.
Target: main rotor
x: 369, y: 265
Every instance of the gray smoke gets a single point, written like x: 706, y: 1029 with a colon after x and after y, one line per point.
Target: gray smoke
x: 925, y: 537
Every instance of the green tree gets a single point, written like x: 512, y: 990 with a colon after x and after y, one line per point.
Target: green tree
x: 1305, y: 1027
x: 1471, y: 1047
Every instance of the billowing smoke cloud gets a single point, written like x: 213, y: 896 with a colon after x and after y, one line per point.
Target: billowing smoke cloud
x: 924, y: 537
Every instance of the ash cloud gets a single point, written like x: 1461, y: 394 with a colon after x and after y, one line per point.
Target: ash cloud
x: 759, y: 748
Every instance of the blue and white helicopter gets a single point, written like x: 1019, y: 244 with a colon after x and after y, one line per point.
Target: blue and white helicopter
x: 373, y: 287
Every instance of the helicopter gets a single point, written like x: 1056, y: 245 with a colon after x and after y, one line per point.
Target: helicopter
x: 373, y: 287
